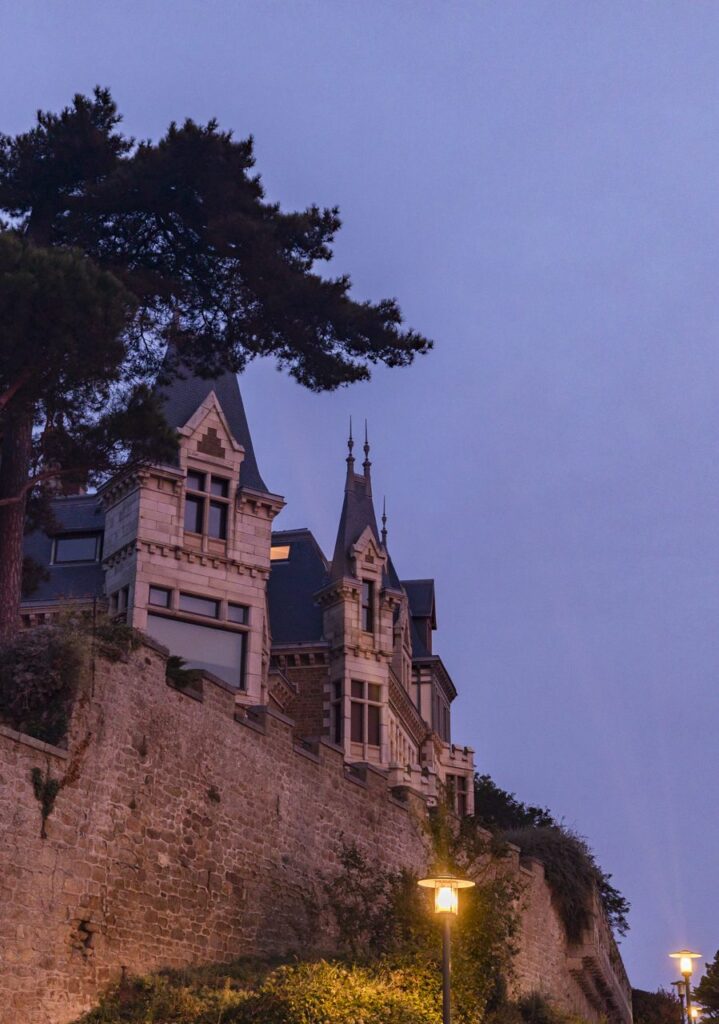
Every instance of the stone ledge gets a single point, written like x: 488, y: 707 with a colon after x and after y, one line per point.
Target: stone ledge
x: 30, y: 741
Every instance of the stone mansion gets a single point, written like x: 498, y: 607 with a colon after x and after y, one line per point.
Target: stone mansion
x: 187, y: 554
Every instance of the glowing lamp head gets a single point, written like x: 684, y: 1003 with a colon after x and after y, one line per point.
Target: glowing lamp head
x: 695, y: 1012
x: 685, y: 957
x: 446, y: 892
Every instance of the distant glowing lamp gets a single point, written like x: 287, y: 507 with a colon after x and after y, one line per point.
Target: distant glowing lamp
x: 685, y: 957
x: 695, y: 1013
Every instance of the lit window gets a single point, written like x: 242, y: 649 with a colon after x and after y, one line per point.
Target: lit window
x: 199, y: 605
x: 365, y: 713
x: 77, y: 547
x: 367, y: 617
x: 279, y: 552
x: 159, y: 596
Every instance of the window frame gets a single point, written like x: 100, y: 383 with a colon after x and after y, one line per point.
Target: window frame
x: 80, y: 534
x: 367, y: 616
x: 365, y: 703
x: 206, y: 498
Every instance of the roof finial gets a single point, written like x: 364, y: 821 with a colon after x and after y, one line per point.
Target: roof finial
x: 350, y: 446
x: 384, y: 522
x: 366, y: 464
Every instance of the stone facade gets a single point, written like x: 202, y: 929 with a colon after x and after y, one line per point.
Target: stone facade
x: 188, y: 831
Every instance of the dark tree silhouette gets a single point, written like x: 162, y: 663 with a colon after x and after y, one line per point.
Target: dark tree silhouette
x: 198, y: 257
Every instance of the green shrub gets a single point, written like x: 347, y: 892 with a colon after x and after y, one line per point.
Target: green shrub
x: 332, y: 993
x: 40, y: 672
x: 251, y: 993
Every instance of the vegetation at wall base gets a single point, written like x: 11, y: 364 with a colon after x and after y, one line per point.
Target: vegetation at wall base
x: 252, y: 991
x: 570, y: 867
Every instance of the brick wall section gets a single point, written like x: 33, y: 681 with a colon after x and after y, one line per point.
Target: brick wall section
x: 184, y: 836
x: 307, y: 708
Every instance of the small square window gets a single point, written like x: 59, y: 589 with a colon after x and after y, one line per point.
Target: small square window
x: 374, y: 692
x: 160, y: 597
x: 237, y: 613
x: 279, y: 552
x: 357, y: 688
x: 219, y: 487
x: 199, y: 605
x: 195, y: 481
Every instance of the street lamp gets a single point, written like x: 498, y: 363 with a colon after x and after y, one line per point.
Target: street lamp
x: 685, y: 957
x: 446, y: 904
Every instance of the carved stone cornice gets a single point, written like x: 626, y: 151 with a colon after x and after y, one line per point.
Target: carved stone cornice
x: 401, y: 703
x: 188, y: 555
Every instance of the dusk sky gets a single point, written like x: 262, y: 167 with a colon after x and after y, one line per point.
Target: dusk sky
x: 538, y: 184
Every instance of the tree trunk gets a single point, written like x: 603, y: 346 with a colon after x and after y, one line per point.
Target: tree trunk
x: 15, y: 464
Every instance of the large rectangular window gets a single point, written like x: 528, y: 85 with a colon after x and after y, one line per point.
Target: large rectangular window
x: 76, y: 547
x: 220, y: 651
x: 366, y: 713
x: 367, y: 606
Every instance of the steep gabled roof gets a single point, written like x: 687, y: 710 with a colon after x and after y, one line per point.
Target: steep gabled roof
x: 421, y: 599
x: 186, y: 392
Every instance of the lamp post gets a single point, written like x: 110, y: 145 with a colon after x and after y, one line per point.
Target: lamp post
x: 446, y: 904
x: 685, y: 958
x: 679, y: 986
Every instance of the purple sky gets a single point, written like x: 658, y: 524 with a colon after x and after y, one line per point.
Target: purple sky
x: 538, y: 184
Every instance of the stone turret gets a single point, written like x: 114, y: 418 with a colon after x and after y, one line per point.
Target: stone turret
x: 187, y: 545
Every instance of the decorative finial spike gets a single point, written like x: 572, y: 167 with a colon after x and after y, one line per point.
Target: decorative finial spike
x: 366, y: 464
x: 384, y: 522
x: 350, y: 440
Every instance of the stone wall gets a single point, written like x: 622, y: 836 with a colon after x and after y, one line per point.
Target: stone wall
x: 183, y: 835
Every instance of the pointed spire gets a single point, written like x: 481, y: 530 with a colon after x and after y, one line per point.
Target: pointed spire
x: 366, y: 464
x: 384, y: 522
x: 350, y: 456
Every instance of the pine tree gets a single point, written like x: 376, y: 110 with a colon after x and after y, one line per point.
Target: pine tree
x: 707, y: 991
x: 204, y: 260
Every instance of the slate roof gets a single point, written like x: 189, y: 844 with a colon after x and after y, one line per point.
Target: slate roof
x: 357, y: 514
x: 184, y: 395
x: 74, y: 514
x: 294, y: 615
x: 420, y: 594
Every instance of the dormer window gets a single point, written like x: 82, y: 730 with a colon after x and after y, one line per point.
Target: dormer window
x: 367, y: 610
x: 74, y: 548
x: 207, y: 504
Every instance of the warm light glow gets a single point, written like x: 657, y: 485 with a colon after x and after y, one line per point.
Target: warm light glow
x: 685, y: 957
x: 279, y: 552
x: 445, y: 899
x: 446, y: 890
x: 695, y: 1012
